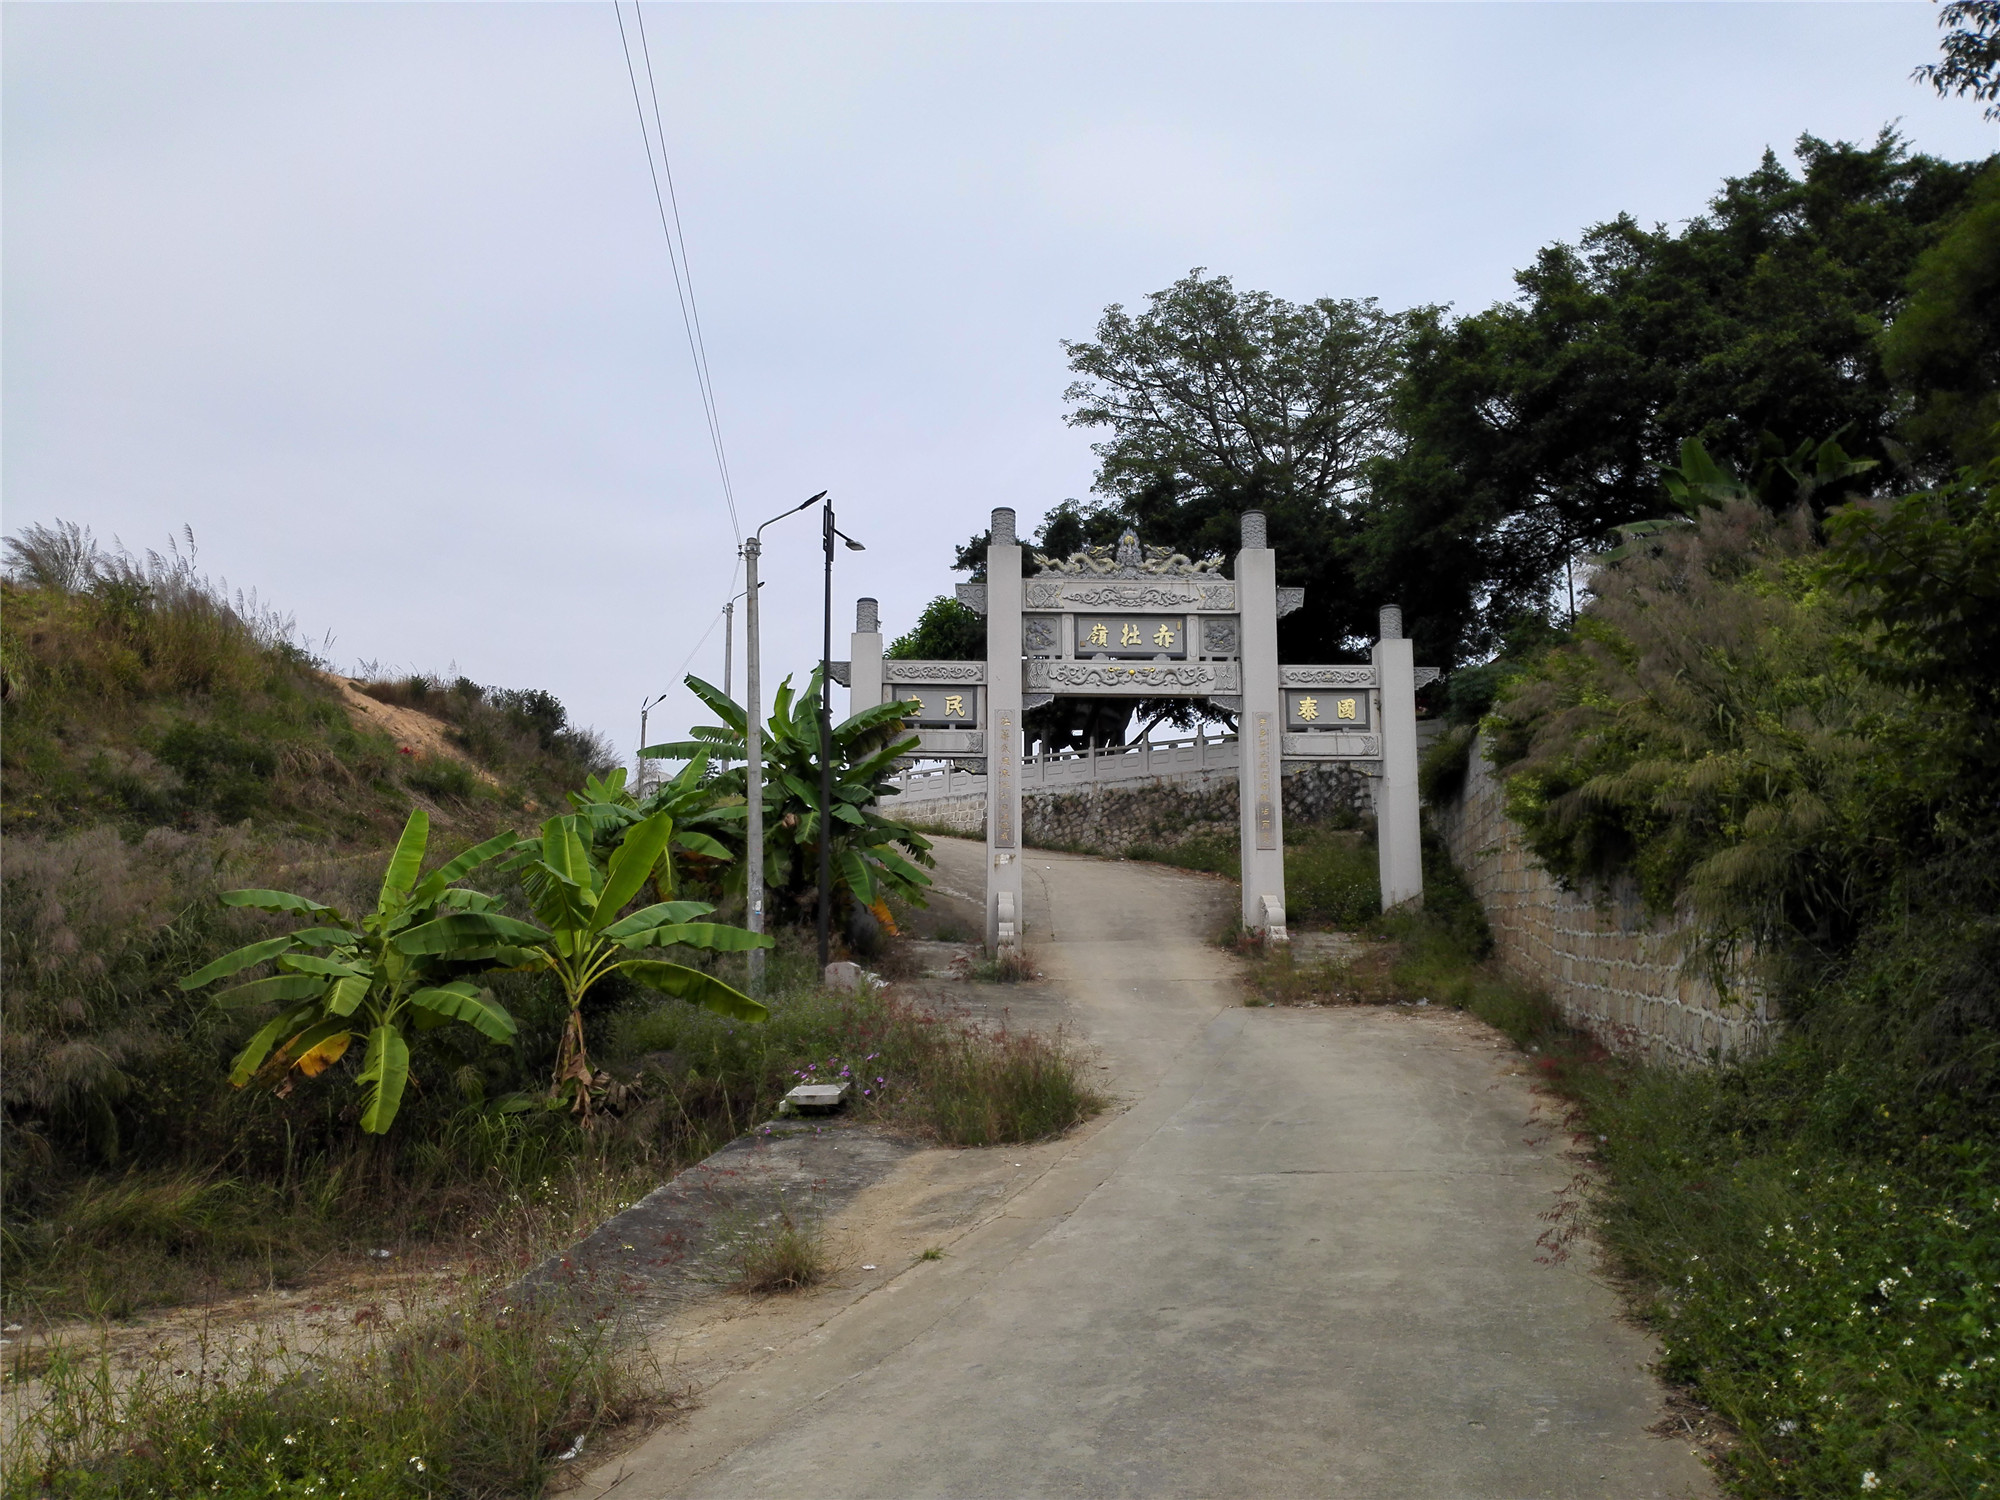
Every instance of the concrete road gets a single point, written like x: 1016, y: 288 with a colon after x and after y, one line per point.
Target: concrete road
x: 1299, y: 1259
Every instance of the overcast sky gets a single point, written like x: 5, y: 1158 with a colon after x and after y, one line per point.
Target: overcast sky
x: 375, y: 296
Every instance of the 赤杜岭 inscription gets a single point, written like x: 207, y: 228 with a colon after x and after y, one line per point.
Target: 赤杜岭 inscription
x: 1131, y: 635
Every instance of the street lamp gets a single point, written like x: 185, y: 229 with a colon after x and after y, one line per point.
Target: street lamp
x: 639, y: 781
x: 829, y: 531
x: 753, y: 784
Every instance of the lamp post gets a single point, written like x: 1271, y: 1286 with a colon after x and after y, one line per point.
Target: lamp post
x: 828, y: 532
x: 639, y: 787
x: 753, y: 743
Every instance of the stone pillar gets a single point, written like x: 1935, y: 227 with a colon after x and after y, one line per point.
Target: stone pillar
x: 1260, y: 736
x: 1398, y: 827
x: 1003, y: 735
x: 864, y: 672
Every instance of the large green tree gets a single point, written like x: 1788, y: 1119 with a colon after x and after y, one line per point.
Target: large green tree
x: 1533, y: 429
x: 1215, y: 401
x: 1943, y: 349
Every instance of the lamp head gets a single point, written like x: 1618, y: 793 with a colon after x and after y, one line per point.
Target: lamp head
x: 852, y: 545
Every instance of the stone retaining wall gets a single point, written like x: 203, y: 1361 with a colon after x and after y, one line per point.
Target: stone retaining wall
x: 965, y: 814
x: 1608, y: 966
x: 1111, y: 819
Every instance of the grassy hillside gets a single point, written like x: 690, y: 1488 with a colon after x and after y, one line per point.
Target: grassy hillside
x: 163, y: 744
x: 156, y: 704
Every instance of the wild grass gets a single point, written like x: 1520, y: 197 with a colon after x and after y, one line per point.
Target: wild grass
x: 1330, y: 873
x: 782, y: 1254
x: 1011, y: 965
x: 978, y: 1088
x: 1211, y: 851
x: 965, y: 1084
x: 470, y: 1400
x: 1332, y: 880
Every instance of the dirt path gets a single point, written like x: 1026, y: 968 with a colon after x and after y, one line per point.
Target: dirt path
x: 414, y: 733
x: 1299, y: 1259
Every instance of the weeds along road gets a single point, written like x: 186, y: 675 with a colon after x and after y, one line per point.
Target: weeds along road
x: 1298, y: 1257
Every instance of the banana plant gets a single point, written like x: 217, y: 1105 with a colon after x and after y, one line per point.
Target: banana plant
x: 580, y: 937
x: 1779, y: 480
x: 874, y: 856
x: 610, y: 809
x: 342, y: 979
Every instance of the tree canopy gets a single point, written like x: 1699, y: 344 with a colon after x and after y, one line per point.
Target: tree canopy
x: 1971, y: 50
x: 1827, y: 330
x: 1216, y: 401
x: 945, y: 631
x: 1944, y: 347
x: 1532, y: 430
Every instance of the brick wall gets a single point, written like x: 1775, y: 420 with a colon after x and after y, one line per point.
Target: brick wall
x: 1607, y: 965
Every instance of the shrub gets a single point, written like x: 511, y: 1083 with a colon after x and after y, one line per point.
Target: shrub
x: 439, y: 777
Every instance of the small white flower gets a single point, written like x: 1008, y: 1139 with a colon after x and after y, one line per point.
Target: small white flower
x: 1869, y: 1481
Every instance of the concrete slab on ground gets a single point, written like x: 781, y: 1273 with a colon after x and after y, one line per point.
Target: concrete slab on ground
x: 673, y: 1246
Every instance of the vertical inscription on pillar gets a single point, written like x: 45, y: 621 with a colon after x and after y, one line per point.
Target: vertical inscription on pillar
x: 1003, y: 807
x: 1265, y: 736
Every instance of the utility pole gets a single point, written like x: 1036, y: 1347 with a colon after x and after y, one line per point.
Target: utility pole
x: 728, y: 660
x: 753, y: 742
x: 828, y: 531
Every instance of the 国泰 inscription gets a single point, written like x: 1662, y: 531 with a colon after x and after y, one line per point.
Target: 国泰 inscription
x: 1319, y: 709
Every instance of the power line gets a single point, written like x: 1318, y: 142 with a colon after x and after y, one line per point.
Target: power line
x: 687, y: 265
x: 711, y: 626
x: 677, y: 257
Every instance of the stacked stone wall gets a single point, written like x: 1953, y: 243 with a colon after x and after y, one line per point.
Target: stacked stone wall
x: 964, y: 814
x: 1113, y: 818
x: 1608, y: 965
